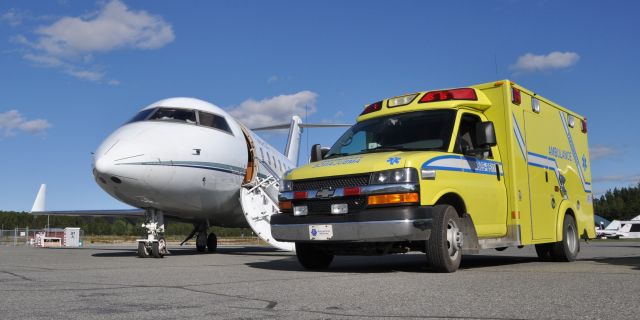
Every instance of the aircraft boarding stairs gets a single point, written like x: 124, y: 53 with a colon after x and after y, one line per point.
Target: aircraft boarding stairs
x: 259, y: 200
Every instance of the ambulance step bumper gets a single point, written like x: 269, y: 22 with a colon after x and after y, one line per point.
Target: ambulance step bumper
x: 372, y: 225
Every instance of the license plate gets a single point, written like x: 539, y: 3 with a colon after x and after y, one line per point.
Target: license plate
x: 320, y: 232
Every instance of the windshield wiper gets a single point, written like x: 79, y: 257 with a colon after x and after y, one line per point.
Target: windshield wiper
x: 334, y: 155
x: 390, y: 148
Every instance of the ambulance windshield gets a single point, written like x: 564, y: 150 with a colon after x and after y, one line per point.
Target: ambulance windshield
x: 422, y: 130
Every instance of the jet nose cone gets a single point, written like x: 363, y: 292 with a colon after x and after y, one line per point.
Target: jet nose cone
x: 105, y: 169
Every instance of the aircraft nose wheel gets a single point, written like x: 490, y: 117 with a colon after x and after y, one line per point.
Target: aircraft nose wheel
x: 143, y: 251
x: 159, y: 248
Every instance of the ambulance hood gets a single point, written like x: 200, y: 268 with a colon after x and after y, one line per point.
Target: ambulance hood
x: 361, y: 163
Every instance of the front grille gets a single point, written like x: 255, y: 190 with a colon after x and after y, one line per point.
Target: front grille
x: 333, y: 182
x: 354, y: 204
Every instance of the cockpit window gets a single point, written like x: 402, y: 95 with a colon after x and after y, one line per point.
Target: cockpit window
x: 213, y: 121
x: 142, y: 115
x: 178, y: 115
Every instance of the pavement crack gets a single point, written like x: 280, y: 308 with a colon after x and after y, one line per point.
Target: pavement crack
x: 17, y: 275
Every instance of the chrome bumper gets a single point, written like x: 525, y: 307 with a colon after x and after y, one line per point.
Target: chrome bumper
x: 379, y: 225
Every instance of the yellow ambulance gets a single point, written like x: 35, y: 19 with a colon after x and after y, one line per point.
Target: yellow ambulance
x: 446, y: 172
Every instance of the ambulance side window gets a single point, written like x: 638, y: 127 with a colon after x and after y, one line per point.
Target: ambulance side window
x: 466, y: 138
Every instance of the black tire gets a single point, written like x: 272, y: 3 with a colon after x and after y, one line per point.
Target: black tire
x: 544, y: 251
x: 567, y: 249
x: 442, y: 254
x: 312, y: 258
x: 212, y: 242
x: 201, y: 246
x: 142, y: 250
x: 155, y: 250
x: 501, y: 249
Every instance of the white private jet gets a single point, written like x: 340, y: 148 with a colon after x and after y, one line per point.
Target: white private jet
x: 189, y: 160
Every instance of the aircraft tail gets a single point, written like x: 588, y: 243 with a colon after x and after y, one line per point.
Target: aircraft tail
x: 296, y: 128
x: 39, y: 203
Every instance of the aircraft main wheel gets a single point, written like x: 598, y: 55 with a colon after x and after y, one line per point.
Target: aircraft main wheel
x: 567, y: 249
x: 312, y: 258
x: 158, y: 248
x: 544, y: 251
x: 212, y: 242
x: 445, y: 242
x: 143, y: 252
x: 201, y: 244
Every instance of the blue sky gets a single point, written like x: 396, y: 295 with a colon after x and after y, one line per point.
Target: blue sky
x: 71, y: 72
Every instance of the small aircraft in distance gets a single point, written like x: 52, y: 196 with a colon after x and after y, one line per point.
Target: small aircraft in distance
x: 189, y: 160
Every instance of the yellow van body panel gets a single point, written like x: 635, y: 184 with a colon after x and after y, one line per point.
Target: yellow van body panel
x: 538, y: 172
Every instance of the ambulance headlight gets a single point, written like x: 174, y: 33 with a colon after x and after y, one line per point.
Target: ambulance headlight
x: 286, y: 185
x: 403, y: 175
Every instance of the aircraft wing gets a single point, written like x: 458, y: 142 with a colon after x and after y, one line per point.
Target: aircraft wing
x: 93, y: 213
x: 39, y: 209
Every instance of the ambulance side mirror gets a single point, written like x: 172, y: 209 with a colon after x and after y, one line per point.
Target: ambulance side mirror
x: 486, y: 135
x: 317, y: 153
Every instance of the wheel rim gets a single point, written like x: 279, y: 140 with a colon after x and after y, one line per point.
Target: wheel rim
x: 572, y: 242
x: 162, y: 245
x: 452, y: 239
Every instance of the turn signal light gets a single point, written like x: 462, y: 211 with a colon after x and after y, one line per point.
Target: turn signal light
x: 452, y: 94
x: 584, y: 126
x: 393, y: 198
x: 285, y: 205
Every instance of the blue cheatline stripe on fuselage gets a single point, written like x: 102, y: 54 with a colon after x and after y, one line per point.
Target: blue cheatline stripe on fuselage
x: 462, y: 164
x: 573, y: 150
x: 519, y: 138
x: 193, y: 164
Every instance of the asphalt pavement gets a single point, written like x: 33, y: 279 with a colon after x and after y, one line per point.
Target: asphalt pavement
x: 239, y: 282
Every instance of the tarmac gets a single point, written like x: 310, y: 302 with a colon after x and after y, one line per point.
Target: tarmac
x: 255, y: 282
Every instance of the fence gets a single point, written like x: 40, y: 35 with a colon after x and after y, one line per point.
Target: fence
x: 26, y: 236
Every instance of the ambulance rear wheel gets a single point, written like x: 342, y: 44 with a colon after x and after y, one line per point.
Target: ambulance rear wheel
x: 312, y: 258
x: 143, y: 252
x: 567, y: 249
x: 445, y: 242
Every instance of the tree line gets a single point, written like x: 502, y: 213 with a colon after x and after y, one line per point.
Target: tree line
x: 619, y: 204
x: 104, y: 225
x: 616, y: 204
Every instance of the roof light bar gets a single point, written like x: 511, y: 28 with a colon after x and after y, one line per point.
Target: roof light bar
x: 376, y: 106
x: 401, y: 101
x: 452, y: 94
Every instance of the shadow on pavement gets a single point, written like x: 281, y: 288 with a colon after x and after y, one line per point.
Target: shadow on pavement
x: 390, y: 263
x: 191, y: 251
x: 620, y: 261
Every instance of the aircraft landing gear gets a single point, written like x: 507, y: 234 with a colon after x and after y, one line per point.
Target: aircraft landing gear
x: 203, y: 242
x: 212, y: 242
x: 154, y: 245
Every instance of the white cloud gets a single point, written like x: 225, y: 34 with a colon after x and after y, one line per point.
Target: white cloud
x: 112, y: 28
x: 272, y: 79
x: 69, y: 43
x: 12, y: 17
x: 601, y: 151
x: 554, y: 60
x: 276, y: 110
x: 12, y: 121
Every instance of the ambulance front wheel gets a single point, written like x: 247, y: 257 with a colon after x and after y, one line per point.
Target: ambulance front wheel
x: 311, y: 257
x: 445, y: 242
x: 567, y: 249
